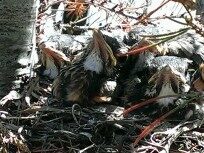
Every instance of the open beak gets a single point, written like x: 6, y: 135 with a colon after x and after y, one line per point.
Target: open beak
x: 99, y: 44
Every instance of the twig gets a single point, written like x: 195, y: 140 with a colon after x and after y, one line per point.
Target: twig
x: 85, y: 149
x: 146, y: 102
x: 152, y: 12
x: 166, y: 35
x: 173, y: 134
x: 158, y: 121
x: 48, y: 150
x: 19, y: 118
x: 134, y: 51
x: 195, y: 27
x: 70, y: 134
x: 176, y: 21
x: 114, y: 11
x: 153, y: 125
x: 73, y: 113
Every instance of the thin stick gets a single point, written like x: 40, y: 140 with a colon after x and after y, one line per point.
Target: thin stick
x: 154, y: 124
x: 152, y: 12
x: 146, y: 102
x: 145, y: 48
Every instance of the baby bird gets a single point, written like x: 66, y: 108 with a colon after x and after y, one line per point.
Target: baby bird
x: 156, y: 77
x: 81, y: 81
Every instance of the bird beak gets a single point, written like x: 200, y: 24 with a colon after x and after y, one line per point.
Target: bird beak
x: 167, y: 75
x: 103, y: 47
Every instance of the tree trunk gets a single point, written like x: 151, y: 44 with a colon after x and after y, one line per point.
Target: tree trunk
x: 17, y: 19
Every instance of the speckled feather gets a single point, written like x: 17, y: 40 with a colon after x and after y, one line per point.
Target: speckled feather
x: 73, y: 84
x: 84, y: 78
x: 138, y: 84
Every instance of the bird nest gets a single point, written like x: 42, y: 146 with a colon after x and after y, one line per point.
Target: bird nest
x: 34, y: 121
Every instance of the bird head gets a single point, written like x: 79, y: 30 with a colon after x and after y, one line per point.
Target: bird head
x: 167, y: 81
x: 99, y: 55
x: 52, y: 59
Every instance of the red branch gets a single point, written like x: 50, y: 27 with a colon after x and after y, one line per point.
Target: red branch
x: 153, y: 125
x: 146, y: 102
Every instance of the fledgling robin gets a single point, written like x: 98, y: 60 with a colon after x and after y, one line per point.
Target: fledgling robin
x: 82, y: 80
x: 156, y: 76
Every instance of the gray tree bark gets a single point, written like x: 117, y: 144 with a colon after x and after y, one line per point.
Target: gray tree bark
x: 17, y: 20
